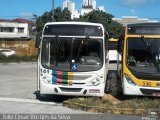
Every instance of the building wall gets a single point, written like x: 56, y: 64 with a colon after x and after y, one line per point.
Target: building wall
x: 68, y: 4
x: 71, y: 7
x: 13, y: 43
x: 75, y: 14
x: 14, y: 30
x: 85, y: 11
x: 88, y: 6
x: 94, y: 4
x: 132, y: 19
x: 23, y: 47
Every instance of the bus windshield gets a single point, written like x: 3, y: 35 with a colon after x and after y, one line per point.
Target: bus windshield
x: 59, y: 53
x: 143, y: 57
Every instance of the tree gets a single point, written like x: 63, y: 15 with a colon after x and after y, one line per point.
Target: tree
x: 62, y: 15
x: 59, y: 15
x: 114, y: 28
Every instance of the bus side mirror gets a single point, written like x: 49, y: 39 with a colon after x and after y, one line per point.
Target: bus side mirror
x: 38, y: 41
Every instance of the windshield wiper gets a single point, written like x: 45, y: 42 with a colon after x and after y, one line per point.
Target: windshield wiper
x: 57, y: 39
x: 60, y: 44
x: 148, y: 45
x: 81, y: 44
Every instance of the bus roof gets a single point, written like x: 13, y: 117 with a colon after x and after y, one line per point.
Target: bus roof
x: 73, y: 23
x: 69, y: 29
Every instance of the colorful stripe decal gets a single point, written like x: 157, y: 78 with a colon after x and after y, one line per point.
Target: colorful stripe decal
x: 61, y: 78
x: 54, y: 77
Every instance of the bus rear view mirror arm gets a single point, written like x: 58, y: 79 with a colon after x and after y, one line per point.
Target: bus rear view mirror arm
x: 38, y: 41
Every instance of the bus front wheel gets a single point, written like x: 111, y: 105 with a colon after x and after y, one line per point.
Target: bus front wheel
x: 39, y: 96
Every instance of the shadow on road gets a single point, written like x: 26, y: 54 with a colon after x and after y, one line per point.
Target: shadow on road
x: 52, y: 98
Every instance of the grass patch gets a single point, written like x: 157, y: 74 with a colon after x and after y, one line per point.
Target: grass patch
x: 91, y: 101
x: 142, y: 103
x: 89, y: 104
x: 132, y: 106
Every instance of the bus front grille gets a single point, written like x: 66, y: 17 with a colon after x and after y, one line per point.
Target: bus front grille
x: 70, y: 89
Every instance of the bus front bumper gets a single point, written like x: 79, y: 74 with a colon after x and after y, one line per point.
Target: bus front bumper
x: 72, y: 90
x: 130, y: 89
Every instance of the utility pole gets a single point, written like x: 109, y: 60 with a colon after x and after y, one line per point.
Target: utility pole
x: 52, y: 10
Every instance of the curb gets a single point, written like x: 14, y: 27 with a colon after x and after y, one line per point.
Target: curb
x: 31, y: 101
x: 110, y: 109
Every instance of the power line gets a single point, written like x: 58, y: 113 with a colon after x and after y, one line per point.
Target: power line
x: 52, y: 10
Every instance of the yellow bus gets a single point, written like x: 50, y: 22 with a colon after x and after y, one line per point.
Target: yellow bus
x: 139, y: 68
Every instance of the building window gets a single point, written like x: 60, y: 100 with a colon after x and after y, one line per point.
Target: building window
x: 21, y: 30
x: 6, y: 29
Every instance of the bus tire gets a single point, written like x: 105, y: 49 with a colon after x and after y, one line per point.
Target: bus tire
x: 39, y: 96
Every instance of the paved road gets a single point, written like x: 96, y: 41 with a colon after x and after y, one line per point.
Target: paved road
x: 18, y: 80
x: 17, y: 96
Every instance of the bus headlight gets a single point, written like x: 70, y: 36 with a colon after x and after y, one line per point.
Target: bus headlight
x: 96, y: 81
x: 129, y: 80
x: 47, y: 79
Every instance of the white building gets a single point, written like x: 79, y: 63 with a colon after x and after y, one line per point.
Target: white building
x: 66, y: 4
x: 14, y: 29
x: 89, y: 3
x: 94, y: 4
x: 132, y: 19
x: 85, y: 2
x: 88, y: 6
x: 71, y: 7
x: 75, y: 14
x: 101, y: 8
x: 85, y: 11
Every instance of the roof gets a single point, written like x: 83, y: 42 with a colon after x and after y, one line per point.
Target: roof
x: 18, y: 20
x: 73, y: 23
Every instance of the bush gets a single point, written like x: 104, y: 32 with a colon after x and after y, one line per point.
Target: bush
x: 14, y: 58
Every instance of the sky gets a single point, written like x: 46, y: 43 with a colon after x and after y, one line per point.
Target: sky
x: 118, y: 8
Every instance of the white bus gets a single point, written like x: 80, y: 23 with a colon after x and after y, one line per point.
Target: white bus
x: 73, y: 59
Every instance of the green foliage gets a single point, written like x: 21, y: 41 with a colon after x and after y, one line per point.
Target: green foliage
x: 112, y: 27
x: 145, y: 103
x: 110, y: 106
x: 59, y: 15
x: 14, y: 58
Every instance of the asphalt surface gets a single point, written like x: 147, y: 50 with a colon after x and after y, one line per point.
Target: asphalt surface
x: 17, y: 96
x: 18, y: 80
